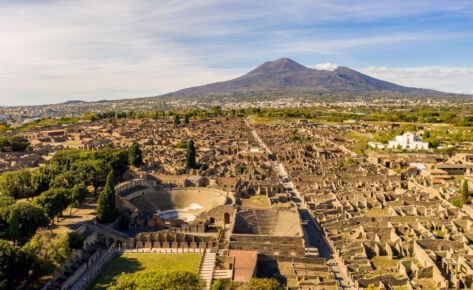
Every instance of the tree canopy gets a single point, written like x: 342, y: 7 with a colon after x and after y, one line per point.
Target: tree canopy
x: 29, y: 217
x: 190, y: 155
x: 464, y: 193
x: 54, y: 201
x: 14, y: 266
x: 106, y: 210
x: 135, y: 155
x: 13, y: 144
x: 264, y: 284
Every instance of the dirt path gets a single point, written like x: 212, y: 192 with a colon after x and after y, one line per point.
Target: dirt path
x: 85, y: 213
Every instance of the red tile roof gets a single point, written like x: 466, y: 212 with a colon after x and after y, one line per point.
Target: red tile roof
x: 245, y: 263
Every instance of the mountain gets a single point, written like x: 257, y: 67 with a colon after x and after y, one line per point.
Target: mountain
x: 73, y: 102
x: 287, y: 75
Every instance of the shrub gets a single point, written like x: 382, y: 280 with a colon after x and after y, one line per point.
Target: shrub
x: 264, y: 284
x: 76, y: 241
x: 455, y: 202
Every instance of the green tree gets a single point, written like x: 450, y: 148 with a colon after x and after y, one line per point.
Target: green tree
x: 98, y: 173
x: 116, y: 158
x: 77, y: 196
x: 66, y: 179
x: 264, y: 284
x: 4, y: 144
x: 464, y: 193
x: 16, y: 183
x: 135, y: 155
x: 30, y: 218
x: 106, y: 210
x: 14, y: 225
x: 14, y: 266
x: 54, y: 201
x: 6, y: 200
x: 13, y: 144
x: 40, y: 180
x: 177, y: 121
x: 76, y: 241
x: 50, y: 250
x: 190, y: 155
x: 186, y: 119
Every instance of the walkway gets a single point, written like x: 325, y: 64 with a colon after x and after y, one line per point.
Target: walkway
x: 207, y: 267
x: 313, y: 234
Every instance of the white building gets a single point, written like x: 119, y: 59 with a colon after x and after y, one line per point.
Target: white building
x: 377, y: 145
x: 408, y: 141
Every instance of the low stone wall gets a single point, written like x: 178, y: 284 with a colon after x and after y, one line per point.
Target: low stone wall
x: 420, y: 254
x: 386, y: 279
x: 269, y: 245
x: 90, y: 270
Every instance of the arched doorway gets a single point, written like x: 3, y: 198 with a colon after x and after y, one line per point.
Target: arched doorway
x: 226, y: 218
x: 211, y: 221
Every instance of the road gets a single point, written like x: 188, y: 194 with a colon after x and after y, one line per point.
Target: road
x: 313, y: 235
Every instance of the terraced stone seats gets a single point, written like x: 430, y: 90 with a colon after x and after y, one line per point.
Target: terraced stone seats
x: 272, y: 222
x: 194, y: 200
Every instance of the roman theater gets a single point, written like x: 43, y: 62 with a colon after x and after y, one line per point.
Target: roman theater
x: 151, y: 206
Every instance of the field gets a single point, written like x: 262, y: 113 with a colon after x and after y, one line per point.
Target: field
x: 134, y: 263
x: 256, y: 201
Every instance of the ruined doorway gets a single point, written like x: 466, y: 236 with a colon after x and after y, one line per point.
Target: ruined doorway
x: 226, y: 218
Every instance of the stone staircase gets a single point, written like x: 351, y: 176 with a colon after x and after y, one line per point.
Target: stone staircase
x: 207, y: 266
x: 223, y: 274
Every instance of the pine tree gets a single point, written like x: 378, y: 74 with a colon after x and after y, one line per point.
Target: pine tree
x: 177, y: 121
x: 464, y: 193
x: 106, y: 211
x: 190, y: 155
x: 186, y: 119
x: 135, y: 155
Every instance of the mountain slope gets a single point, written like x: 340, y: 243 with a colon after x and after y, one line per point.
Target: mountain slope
x: 287, y: 75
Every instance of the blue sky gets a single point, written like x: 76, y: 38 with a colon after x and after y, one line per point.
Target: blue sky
x: 53, y: 51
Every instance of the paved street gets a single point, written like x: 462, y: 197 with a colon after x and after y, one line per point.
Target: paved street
x: 312, y: 235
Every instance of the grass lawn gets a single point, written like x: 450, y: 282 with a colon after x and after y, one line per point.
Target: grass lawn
x: 384, y: 265
x: 439, y: 233
x: 256, y: 201
x: 134, y: 263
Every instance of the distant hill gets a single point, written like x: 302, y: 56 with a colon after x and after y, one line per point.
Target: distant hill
x: 72, y: 102
x: 287, y: 75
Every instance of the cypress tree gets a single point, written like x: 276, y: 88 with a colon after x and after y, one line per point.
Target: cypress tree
x: 14, y: 225
x: 464, y: 193
x: 177, y: 121
x: 190, y: 155
x: 186, y: 119
x: 106, y: 211
x: 135, y: 155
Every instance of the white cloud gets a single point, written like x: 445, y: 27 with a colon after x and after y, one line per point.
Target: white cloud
x: 447, y: 79
x: 55, y: 50
x: 326, y: 66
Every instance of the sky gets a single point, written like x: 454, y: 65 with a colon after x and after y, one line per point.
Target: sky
x: 53, y: 50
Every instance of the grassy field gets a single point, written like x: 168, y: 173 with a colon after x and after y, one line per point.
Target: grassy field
x: 134, y: 263
x: 256, y: 201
